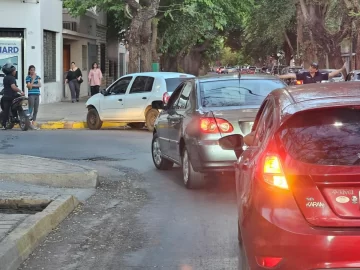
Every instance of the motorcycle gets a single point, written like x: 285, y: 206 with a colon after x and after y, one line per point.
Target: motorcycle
x: 19, y: 113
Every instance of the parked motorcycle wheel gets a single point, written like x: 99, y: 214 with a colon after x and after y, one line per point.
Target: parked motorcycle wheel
x: 24, y: 121
x: 9, y: 125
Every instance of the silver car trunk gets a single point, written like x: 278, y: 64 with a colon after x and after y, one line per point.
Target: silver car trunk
x: 241, y: 118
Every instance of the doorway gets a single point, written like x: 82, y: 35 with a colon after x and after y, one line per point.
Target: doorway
x: 66, y: 57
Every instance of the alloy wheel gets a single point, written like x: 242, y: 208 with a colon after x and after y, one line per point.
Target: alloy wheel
x: 185, y: 167
x: 156, y: 151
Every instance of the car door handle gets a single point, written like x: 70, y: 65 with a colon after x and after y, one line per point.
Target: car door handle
x: 144, y: 98
x: 120, y: 99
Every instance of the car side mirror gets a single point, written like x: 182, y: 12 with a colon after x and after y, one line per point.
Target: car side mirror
x: 103, y: 92
x: 232, y: 142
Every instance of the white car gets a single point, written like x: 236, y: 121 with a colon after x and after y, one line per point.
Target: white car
x: 134, y: 99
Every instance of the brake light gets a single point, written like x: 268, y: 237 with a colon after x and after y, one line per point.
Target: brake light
x: 268, y: 262
x: 166, y: 97
x: 273, y: 173
x: 215, y: 125
x: 298, y: 82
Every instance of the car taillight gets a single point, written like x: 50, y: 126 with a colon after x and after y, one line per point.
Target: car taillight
x: 166, y: 97
x: 298, y: 82
x: 268, y: 262
x: 215, y: 125
x: 273, y: 173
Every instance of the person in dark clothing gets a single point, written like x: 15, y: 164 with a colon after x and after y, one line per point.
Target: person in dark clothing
x: 313, y: 75
x: 74, y: 78
x: 11, y: 91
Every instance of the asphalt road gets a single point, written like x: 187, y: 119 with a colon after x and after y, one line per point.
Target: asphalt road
x: 139, y: 218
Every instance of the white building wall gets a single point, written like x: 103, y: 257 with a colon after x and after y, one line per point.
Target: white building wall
x: 51, y: 20
x: 34, y: 18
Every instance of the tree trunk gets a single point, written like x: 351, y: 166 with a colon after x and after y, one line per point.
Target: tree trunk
x: 154, y: 37
x: 140, y: 34
x: 357, y: 61
x: 134, y: 46
x: 145, y: 38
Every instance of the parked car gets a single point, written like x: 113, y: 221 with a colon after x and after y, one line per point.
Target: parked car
x: 353, y: 75
x: 199, y: 112
x: 298, y: 182
x: 337, y: 78
x: 222, y: 70
x: 132, y: 99
x: 232, y: 69
x: 277, y: 69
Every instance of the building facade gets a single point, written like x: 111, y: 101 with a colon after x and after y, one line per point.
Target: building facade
x: 85, y: 41
x: 34, y: 37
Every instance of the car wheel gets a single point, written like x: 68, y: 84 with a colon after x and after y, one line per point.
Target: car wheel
x: 239, y: 234
x: 93, y: 119
x: 244, y: 265
x: 150, y: 117
x: 136, y: 125
x: 192, y: 179
x: 159, y: 162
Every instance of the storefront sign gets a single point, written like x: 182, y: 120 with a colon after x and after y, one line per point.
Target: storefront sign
x: 10, y: 52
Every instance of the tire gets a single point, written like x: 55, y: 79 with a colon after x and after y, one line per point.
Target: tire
x: 93, y: 120
x: 191, y: 179
x: 24, y: 121
x: 159, y: 162
x: 150, y: 117
x: 239, y: 235
x: 136, y: 125
x: 244, y: 265
x: 9, y: 125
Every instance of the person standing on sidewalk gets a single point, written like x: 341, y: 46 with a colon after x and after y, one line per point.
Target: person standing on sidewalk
x: 74, y: 78
x: 95, y: 77
x: 33, y: 83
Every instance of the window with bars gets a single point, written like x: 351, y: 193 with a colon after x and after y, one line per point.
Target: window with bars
x: 49, y: 56
x: 84, y: 57
x: 102, y: 58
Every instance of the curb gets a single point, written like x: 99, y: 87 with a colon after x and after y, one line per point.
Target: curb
x: 22, y: 241
x: 88, y: 178
x: 77, y: 125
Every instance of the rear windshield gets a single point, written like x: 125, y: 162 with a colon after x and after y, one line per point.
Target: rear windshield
x: 324, y: 137
x: 173, y: 83
x: 236, y: 93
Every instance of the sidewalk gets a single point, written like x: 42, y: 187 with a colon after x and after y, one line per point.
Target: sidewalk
x: 67, y: 115
x: 35, y: 199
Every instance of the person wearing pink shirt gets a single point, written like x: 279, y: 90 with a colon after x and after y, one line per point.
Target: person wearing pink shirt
x: 95, y: 77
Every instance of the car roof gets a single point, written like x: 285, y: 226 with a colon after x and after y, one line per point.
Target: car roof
x: 210, y: 78
x: 165, y: 75
x: 294, y: 99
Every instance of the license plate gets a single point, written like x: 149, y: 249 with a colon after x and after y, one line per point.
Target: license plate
x: 25, y: 108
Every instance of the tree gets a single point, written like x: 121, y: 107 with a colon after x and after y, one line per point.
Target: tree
x: 190, y: 36
x: 269, y: 26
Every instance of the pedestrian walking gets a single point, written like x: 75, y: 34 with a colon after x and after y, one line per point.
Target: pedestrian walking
x: 33, y: 84
x: 74, y: 78
x: 95, y: 77
x: 313, y: 75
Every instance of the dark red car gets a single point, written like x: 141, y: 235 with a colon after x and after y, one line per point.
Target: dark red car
x: 298, y: 182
